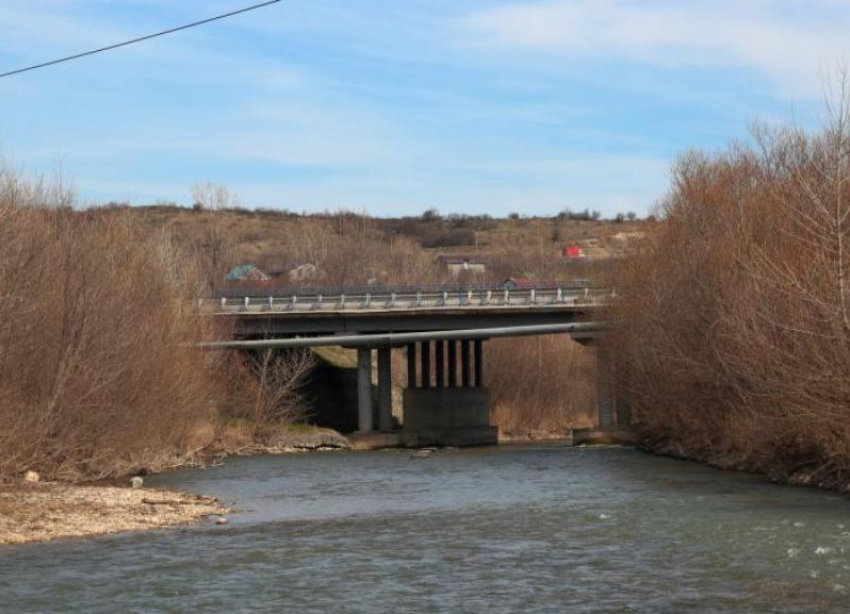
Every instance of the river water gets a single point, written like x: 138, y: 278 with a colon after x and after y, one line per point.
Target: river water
x: 497, y: 530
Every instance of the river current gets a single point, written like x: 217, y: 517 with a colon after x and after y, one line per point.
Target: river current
x: 495, y: 530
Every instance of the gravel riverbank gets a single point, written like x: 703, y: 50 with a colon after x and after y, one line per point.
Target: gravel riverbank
x: 45, y: 511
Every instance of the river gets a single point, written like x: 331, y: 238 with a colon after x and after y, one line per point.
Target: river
x: 495, y: 530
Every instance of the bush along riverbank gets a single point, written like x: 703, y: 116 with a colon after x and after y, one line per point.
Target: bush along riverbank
x: 733, y: 324
x: 99, y: 372
x: 99, y: 375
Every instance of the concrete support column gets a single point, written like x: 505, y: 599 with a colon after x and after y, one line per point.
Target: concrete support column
x: 479, y: 362
x: 364, y: 390
x: 604, y: 406
x: 465, y: 359
x: 425, y: 348
x: 452, y: 364
x: 621, y: 377
x: 385, y: 390
x: 624, y: 408
x: 440, y: 366
x: 411, y: 366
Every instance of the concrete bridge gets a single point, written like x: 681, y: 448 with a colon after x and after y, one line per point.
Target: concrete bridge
x: 443, y: 330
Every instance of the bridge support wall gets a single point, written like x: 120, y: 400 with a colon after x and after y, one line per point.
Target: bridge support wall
x: 438, y: 411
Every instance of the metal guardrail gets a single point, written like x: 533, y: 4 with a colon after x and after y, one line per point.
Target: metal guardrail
x: 389, y: 300
x: 284, y: 292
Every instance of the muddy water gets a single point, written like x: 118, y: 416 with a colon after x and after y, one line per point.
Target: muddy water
x: 486, y: 531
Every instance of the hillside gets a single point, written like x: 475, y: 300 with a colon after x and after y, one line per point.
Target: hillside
x: 347, y: 248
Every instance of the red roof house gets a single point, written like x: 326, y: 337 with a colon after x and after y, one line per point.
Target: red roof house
x: 573, y: 251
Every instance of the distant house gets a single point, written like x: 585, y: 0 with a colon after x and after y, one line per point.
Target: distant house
x: 456, y: 265
x: 246, y: 273
x: 306, y: 272
x: 572, y: 251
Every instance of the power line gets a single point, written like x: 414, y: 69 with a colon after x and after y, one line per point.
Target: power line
x: 138, y: 40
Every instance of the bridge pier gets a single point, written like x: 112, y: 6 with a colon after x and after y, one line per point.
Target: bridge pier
x: 465, y: 360
x: 604, y: 396
x: 453, y: 411
x: 364, y: 390
x: 440, y: 363
x: 452, y: 364
x: 385, y: 390
x: 612, y: 404
x: 365, y: 401
x: 479, y: 363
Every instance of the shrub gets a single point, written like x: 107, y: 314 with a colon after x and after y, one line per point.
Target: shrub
x: 456, y: 237
x: 98, y: 376
x: 734, y: 318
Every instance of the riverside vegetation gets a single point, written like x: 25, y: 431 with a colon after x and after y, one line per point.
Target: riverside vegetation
x: 734, y: 318
x: 98, y: 374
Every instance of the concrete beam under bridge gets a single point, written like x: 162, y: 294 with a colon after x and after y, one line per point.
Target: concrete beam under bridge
x: 327, y: 316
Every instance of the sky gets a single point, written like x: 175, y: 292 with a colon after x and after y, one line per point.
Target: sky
x: 395, y: 107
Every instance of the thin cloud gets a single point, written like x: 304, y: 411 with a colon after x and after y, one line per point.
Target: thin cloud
x: 786, y: 46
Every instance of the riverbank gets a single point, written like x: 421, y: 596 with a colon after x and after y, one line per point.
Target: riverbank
x: 812, y: 472
x: 43, y: 512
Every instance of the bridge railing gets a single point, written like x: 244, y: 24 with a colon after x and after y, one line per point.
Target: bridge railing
x: 352, y: 290
x: 384, y: 300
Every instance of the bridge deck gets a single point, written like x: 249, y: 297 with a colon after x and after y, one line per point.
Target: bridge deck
x: 405, y: 311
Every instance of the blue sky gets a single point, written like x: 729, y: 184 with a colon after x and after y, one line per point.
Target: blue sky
x: 392, y: 107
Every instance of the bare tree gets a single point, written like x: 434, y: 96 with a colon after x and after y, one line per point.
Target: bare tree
x: 98, y: 375
x: 734, y: 319
x: 280, y: 376
x: 214, y: 196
